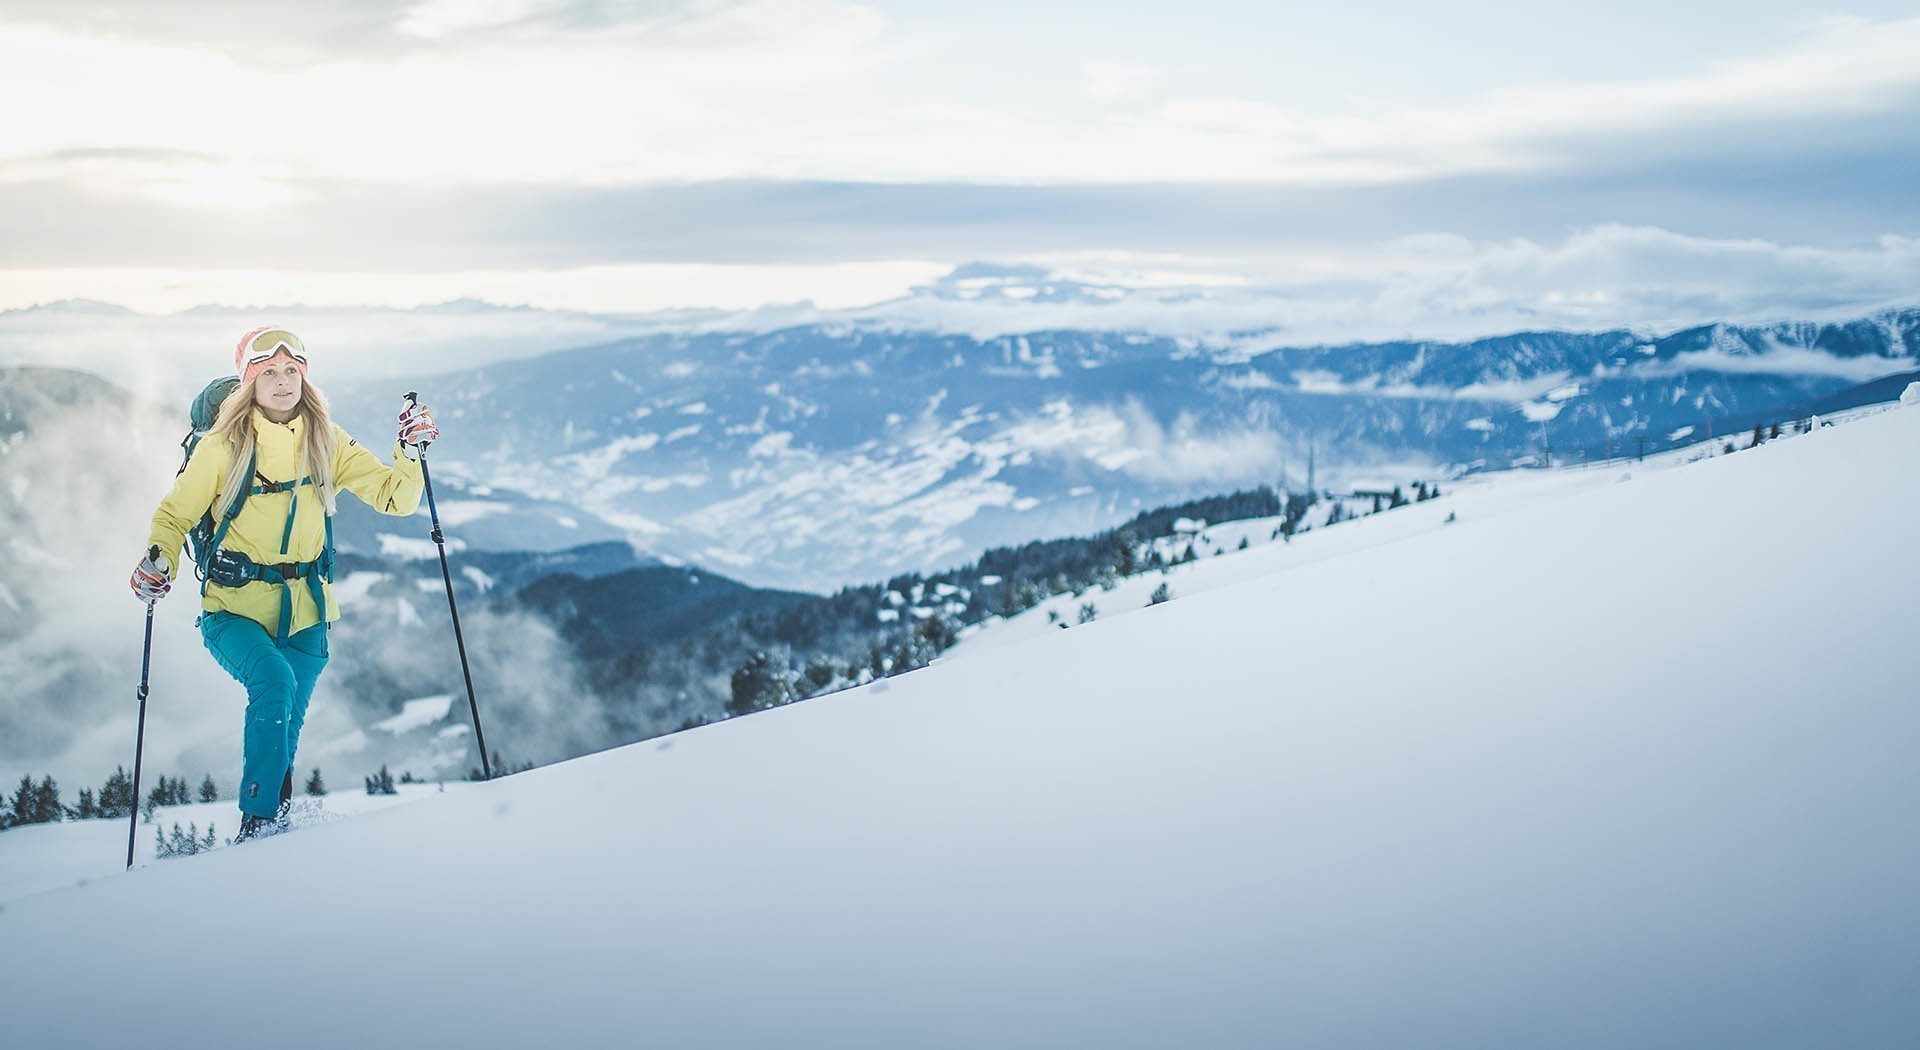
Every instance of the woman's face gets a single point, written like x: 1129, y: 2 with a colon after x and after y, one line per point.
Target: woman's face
x: 277, y: 390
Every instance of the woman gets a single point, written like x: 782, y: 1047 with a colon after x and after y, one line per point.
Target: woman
x: 265, y: 591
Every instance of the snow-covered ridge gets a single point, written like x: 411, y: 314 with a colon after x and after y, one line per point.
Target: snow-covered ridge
x: 1616, y: 768
x: 813, y: 442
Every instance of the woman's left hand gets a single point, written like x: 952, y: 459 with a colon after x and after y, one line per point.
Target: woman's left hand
x: 416, y: 426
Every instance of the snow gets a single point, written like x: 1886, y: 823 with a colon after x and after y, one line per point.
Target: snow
x: 412, y: 549
x: 355, y: 587
x: 45, y: 857
x: 1541, y: 412
x: 458, y: 512
x: 1407, y: 793
x: 479, y: 579
x: 417, y: 713
x: 1911, y: 395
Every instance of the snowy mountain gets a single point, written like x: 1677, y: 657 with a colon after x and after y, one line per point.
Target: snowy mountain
x: 812, y: 456
x: 1612, y: 759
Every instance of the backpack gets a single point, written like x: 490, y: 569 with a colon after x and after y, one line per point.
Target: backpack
x: 232, y: 568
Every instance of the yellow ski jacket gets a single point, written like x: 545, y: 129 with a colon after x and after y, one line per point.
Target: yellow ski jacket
x: 261, y: 524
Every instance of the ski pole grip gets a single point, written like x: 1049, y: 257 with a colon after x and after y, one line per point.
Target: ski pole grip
x: 413, y: 398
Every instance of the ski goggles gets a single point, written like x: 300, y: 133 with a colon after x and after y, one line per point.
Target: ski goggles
x: 263, y: 345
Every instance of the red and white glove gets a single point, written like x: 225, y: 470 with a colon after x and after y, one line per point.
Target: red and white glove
x: 149, y: 580
x: 416, y: 426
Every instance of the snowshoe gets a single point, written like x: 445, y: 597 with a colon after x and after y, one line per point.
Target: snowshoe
x: 252, y: 827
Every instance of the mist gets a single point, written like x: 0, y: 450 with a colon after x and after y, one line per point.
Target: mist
x: 80, y: 484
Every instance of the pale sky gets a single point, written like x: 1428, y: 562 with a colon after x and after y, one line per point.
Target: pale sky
x: 611, y: 156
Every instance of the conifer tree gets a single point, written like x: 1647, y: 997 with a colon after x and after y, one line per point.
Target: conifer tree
x: 209, y: 791
x: 913, y: 653
x: 819, y: 674
x: 315, y: 785
x: 46, y: 802
x: 116, y: 795
x: 761, y: 682
x: 23, y: 799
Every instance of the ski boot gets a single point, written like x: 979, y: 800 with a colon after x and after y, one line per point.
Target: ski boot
x: 283, y: 816
x: 252, y: 827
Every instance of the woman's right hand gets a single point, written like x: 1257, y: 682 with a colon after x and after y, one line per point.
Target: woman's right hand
x: 149, y: 580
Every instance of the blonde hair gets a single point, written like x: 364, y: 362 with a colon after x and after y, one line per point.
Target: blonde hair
x: 235, y: 423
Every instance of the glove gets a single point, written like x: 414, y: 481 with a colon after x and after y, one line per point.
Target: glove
x: 417, y: 429
x: 149, y: 580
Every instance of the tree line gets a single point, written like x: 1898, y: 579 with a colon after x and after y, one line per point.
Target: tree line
x: 39, y: 802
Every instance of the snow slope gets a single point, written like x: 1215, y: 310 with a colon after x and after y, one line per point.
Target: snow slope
x: 42, y: 857
x: 1631, y: 767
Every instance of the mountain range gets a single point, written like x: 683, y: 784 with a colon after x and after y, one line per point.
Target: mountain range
x: 811, y: 456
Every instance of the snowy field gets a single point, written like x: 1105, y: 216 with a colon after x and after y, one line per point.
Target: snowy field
x: 1620, y: 762
x: 41, y: 857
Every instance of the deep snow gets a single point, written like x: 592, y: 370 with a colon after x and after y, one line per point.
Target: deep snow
x: 1632, y: 766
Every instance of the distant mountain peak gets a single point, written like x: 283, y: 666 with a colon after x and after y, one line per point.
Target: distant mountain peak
x: 73, y: 307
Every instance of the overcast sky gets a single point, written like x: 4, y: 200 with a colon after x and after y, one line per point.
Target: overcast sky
x: 630, y: 156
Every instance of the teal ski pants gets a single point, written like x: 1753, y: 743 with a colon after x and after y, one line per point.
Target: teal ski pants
x: 279, y: 677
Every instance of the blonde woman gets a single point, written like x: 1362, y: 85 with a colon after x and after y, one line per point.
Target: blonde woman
x: 261, y: 488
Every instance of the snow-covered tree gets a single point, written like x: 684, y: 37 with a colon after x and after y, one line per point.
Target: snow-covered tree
x: 762, y: 681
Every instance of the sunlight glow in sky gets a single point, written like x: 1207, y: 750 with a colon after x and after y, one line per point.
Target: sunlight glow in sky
x: 732, y: 152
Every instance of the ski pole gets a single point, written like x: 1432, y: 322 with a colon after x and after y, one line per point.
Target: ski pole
x: 439, y: 540
x: 140, y: 737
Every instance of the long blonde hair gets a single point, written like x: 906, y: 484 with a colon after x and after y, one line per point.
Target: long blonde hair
x: 235, y: 423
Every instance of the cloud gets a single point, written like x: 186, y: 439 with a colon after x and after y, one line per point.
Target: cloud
x: 1127, y: 438
x: 1442, y: 286
x: 273, y: 36
x: 599, y: 94
x: 1111, y: 81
